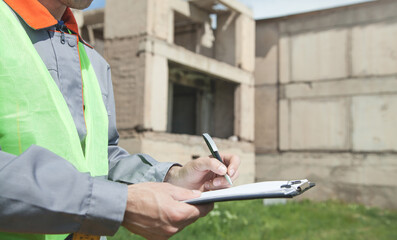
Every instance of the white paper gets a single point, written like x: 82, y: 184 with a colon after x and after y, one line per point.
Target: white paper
x: 251, y: 191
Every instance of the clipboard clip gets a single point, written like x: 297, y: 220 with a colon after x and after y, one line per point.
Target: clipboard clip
x: 299, y: 185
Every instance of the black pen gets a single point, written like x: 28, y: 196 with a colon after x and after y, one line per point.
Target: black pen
x: 214, y: 151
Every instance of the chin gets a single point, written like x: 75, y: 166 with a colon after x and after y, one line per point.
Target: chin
x: 77, y: 4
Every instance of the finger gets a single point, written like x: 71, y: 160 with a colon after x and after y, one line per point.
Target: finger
x: 191, y: 213
x: 184, y: 214
x: 217, y: 183
x: 204, y: 209
x: 210, y: 164
x: 232, y: 162
x: 182, y: 194
x: 236, y: 175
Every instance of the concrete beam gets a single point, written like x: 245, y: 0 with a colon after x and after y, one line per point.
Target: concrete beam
x: 366, y: 178
x: 347, y: 87
x: 189, y: 10
x: 93, y: 17
x: 231, y: 4
x: 237, y: 6
x: 371, y: 12
x: 192, y: 60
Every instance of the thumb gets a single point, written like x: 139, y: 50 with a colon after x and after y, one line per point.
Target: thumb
x: 182, y: 194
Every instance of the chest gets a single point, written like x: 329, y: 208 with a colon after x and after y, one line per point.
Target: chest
x: 59, y: 52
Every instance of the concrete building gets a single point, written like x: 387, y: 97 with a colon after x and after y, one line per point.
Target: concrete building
x: 175, y: 76
x: 326, y: 101
x: 324, y: 86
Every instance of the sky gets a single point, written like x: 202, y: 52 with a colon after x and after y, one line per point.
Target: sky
x: 276, y: 8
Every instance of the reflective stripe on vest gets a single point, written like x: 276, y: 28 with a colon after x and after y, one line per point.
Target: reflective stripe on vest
x: 33, y: 110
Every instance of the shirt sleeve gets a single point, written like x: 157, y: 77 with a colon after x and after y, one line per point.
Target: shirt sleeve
x: 49, y: 195
x: 124, y: 167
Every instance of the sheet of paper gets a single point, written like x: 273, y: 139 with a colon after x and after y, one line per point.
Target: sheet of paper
x: 268, y: 189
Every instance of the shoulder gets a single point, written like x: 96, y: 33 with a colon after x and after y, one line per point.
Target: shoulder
x: 101, y: 68
x: 96, y: 59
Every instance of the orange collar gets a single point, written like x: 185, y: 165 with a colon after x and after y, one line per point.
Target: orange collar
x: 38, y: 17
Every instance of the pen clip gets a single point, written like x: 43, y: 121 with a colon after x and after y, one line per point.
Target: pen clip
x: 210, y: 143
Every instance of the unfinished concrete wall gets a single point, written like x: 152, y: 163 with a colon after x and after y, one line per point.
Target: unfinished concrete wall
x: 335, y: 74
x: 150, y: 42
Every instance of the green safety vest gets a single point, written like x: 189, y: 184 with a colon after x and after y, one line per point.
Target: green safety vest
x: 33, y: 110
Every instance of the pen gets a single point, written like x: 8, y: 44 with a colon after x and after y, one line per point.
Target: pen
x: 214, y: 151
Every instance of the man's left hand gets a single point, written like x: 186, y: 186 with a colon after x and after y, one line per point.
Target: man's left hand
x: 205, y: 173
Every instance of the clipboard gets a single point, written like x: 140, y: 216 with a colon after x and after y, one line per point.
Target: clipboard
x: 259, y: 190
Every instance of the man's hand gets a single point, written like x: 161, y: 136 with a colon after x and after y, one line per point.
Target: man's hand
x: 154, y: 210
x: 204, y: 173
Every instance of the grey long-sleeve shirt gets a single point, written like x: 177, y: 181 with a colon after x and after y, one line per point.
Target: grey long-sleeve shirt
x: 41, y: 192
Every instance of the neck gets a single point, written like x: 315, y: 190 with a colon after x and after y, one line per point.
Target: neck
x: 56, y: 8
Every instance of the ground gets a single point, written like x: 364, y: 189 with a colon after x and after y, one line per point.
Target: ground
x: 295, y: 220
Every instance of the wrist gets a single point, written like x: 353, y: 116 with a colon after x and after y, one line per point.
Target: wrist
x: 172, y: 174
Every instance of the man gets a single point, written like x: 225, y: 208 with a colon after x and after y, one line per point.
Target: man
x: 57, y: 124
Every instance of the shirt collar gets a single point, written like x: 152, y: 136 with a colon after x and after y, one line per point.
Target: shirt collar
x: 38, y: 17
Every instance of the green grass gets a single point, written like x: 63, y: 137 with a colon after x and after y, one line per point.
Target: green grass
x: 246, y: 220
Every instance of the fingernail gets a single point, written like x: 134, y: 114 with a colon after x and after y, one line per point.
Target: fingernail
x: 217, y: 182
x: 222, y: 168
x: 231, y: 172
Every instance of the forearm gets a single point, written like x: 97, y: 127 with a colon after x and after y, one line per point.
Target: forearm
x: 42, y: 193
x: 135, y: 168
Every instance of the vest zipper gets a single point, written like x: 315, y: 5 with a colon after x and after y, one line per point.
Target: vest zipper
x: 62, y: 37
x: 62, y: 28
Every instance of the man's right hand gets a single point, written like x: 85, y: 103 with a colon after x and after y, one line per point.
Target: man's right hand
x: 155, y: 210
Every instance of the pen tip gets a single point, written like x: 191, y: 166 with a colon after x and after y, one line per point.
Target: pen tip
x: 229, y: 180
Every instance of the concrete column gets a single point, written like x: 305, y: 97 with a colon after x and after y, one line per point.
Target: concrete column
x: 159, y: 16
x: 156, y: 93
x: 244, y: 112
x: 245, y: 42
